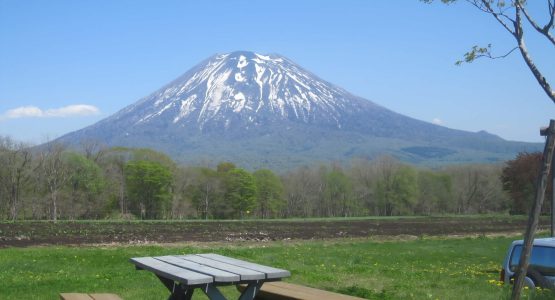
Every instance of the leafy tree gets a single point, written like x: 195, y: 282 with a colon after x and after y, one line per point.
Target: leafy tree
x: 385, y: 168
x: 86, y: 184
x: 363, y: 176
x: 519, y: 179
x: 205, y: 190
x: 114, y: 160
x: 146, y: 154
x: 435, y: 192
x: 222, y: 208
x: 404, y: 191
x: 113, y: 163
x: 338, y: 191
x: 511, y: 15
x: 149, y: 188
x: 269, y: 193
x: 240, y: 191
x: 225, y: 167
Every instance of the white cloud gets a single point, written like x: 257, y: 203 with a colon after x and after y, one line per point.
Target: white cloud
x: 437, y: 121
x: 22, y: 112
x: 61, y: 112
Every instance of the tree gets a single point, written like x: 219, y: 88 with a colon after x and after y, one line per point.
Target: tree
x: 114, y: 170
x: 519, y: 179
x: 54, y: 172
x: 93, y: 149
x: 240, y: 191
x: 114, y: 160
x: 269, y: 193
x: 303, y: 188
x: 510, y: 15
x: 435, y: 192
x: 338, y: 191
x: 149, y: 188
x: 404, y: 191
x: 15, y: 159
x: 205, y: 190
x: 363, y: 176
x: 86, y: 184
x: 476, y: 188
x: 225, y: 167
x: 386, y: 167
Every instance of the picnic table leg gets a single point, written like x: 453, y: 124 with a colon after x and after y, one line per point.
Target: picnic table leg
x: 213, y: 293
x: 250, y: 292
x: 177, y: 291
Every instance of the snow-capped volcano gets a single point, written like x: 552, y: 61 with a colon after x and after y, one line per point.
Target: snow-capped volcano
x: 249, y: 89
x: 266, y: 111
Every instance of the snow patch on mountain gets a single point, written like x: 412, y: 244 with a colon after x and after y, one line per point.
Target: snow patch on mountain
x: 247, y: 87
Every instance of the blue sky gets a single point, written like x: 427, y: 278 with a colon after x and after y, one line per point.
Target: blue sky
x: 67, y: 64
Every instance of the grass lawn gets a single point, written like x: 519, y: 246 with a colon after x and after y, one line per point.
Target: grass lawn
x: 423, y: 268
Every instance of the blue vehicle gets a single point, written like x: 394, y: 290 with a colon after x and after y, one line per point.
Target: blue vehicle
x: 541, y: 271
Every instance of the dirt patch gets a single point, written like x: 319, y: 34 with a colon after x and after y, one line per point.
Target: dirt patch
x: 22, y: 234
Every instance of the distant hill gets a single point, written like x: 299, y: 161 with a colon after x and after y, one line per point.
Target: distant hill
x: 266, y: 111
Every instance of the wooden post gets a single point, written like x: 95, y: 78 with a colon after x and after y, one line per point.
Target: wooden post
x: 553, y: 195
x: 533, y: 218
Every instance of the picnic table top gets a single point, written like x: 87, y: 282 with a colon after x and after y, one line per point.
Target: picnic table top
x: 202, y: 269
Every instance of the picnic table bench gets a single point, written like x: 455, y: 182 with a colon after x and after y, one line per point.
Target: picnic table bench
x: 95, y: 296
x: 289, y: 291
x: 182, y: 274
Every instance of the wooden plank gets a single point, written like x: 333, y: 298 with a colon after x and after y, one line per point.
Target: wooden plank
x: 317, y: 293
x: 244, y: 273
x: 289, y: 291
x: 219, y: 275
x: 271, y: 273
x: 105, y: 296
x: 172, y: 272
x: 75, y: 296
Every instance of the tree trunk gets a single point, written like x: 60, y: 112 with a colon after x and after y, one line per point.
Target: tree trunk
x: 14, y: 198
x: 54, y: 211
x: 533, y: 219
x: 519, y: 36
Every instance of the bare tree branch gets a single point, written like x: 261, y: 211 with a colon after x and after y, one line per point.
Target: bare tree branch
x: 551, y: 8
x: 489, y: 10
x: 543, y: 30
x: 517, y: 33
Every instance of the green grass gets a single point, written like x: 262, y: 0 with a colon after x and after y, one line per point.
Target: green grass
x: 424, y: 268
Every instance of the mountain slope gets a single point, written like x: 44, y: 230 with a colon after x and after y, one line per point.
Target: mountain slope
x: 266, y: 111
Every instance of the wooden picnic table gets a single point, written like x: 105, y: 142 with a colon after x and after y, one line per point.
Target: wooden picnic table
x: 182, y: 274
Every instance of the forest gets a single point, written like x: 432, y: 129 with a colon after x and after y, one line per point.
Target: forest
x: 54, y: 182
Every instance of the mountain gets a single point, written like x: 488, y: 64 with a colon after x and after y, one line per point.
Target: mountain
x: 266, y: 111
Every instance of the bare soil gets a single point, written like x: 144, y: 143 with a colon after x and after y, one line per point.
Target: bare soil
x: 22, y: 234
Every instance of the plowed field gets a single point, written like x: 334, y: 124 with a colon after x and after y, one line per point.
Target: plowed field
x: 21, y: 234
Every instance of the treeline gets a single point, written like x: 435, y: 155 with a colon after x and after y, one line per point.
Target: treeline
x: 95, y: 183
